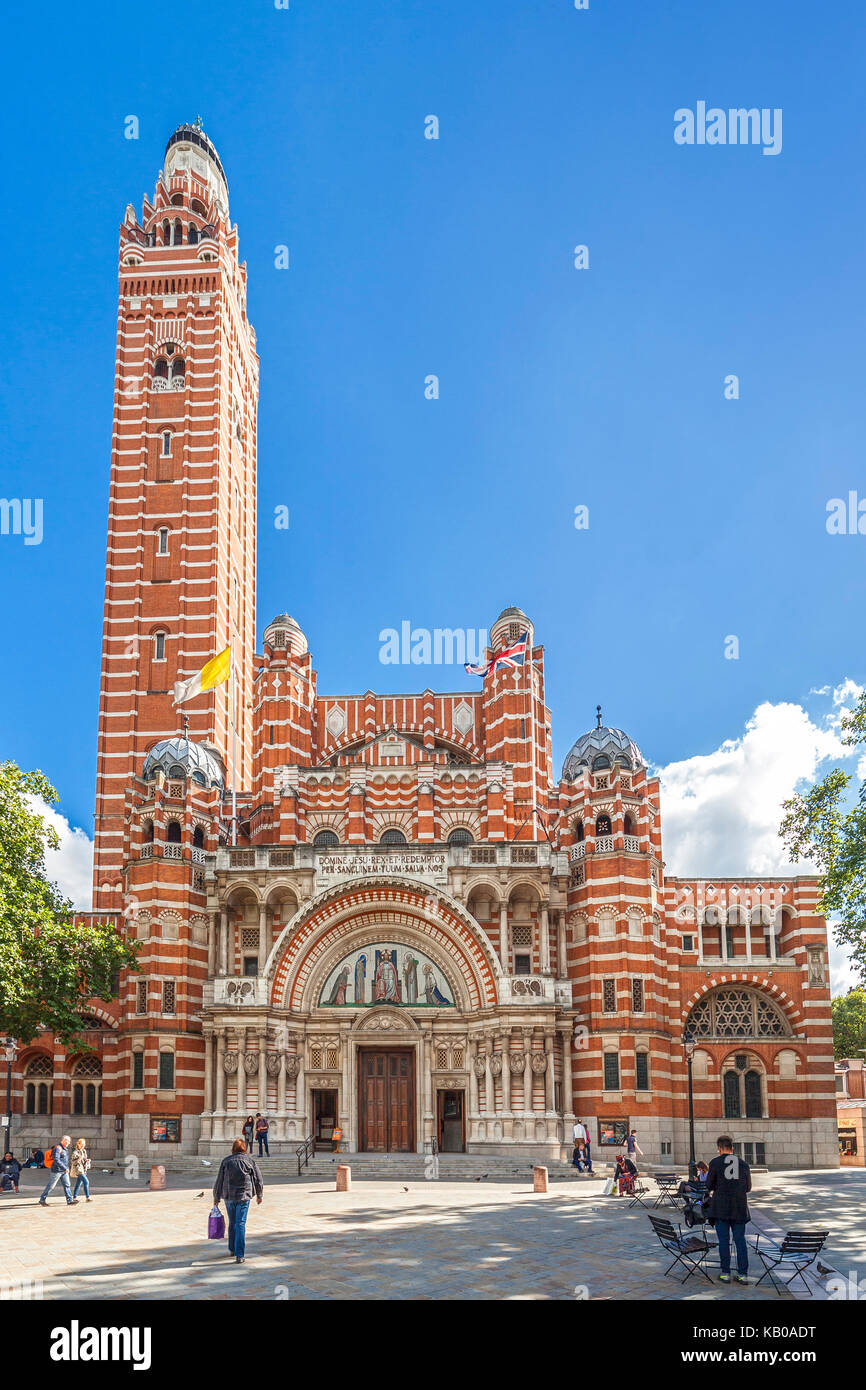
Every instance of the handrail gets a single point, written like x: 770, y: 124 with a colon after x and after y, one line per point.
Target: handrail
x: 304, y: 1152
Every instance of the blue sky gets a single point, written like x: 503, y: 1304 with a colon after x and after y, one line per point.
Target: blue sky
x: 409, y: 256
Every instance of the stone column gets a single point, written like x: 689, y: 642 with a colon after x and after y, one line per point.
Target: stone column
x: 772, y: 935
x: 545, y: 939
x: 506, y: 1073
x: 472, y: 1117
x: 489, y: 1080
x: 263, y: 1069
x: 242, y: 1073
x: 430, y: 1117
x: 219, y: 1119
x: 567, y: 1080
x: 723, y: 937
x: 208, y: 1071
x: 748, y: 917
x: 504, y: 944
x: 281, y: 1087
x: 301, y: 1090
x: 548, y: 1077
x: 263, y: 939
x: 561, y: 951
x: 213, y: 937
x: 527, y: 1072
x: 700, y: 937
x: 225, y: 933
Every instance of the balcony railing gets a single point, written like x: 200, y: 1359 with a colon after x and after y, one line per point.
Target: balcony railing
x: 603, y: 844
x: 632, y: 844
x: 577, y: 851
x: 349, y: 859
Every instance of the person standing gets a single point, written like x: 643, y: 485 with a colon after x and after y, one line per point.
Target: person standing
x: 248, y: 1132
x: 587, y: 1151
x: 262, y: 1133
x: 579, y: 1138
x: 236, y: 1182
x: 729, y: 1179
x: 632, y: 1145
x: 78, y: 1169
x: 59, y: 1174
x: 10, y: 1172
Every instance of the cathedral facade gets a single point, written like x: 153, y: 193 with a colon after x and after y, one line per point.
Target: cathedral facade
x: 387, y: 917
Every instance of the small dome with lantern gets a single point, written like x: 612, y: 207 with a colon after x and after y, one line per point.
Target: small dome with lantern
x: 601, y: 748
x: 181, y: 757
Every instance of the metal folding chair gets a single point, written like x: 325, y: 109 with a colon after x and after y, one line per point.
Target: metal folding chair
x: 797, y: 1251
x: 690, y: 1252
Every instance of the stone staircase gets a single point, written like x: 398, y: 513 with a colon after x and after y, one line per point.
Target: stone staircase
x: 397, y: 1167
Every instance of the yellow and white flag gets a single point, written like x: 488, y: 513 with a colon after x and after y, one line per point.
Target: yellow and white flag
x: 217, y: 670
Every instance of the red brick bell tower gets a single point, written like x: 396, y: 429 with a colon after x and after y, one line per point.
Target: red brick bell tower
x: 181, y: 561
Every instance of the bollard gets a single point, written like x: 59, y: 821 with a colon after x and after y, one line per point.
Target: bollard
x: 539, y: 1179
x: 157, y: 1177
x: 344, y: 1177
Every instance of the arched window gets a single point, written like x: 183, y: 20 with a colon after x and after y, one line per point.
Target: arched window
x: 393, y: 837
x: 160, y: 368
x: 178, y: 233
x: 198, y: 838
x: 728, y: 1012
x: 326, y: 839
x: 162, y: 541
x: 166, y: 443
x: 731, y: 1090
x: 38, y: 1086
x: 166, y: 233
x: 627, y: 825
x: 578, y: 830
x: 172, y: 834
x: 603, y: 826
x: 178, y: 368
x: 147, y: 832
x: 752, y: 1089
x: 460, y: 836
x: 87, y: 1092
x: 193, y: 234
x: 159, y: 646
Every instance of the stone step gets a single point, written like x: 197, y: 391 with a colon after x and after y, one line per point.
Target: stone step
x: 382, y: 1167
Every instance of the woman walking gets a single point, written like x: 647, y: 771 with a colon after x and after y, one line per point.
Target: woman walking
x: 237, y: 1181
x: 79, y: 1167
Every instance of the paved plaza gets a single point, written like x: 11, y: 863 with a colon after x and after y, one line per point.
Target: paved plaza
x: 437, y: 1240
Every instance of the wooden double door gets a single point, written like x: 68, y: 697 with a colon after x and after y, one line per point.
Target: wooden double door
x: 386, y: 1091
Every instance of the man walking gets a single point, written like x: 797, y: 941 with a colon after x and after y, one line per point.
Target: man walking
x: 238, y: 1178
x: 262, y: 1133
x: 59, y: 1173
x: 632, y: 1146
x: 729, y: 1179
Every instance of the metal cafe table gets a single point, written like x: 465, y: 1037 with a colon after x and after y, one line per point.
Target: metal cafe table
x: 667, y: 1184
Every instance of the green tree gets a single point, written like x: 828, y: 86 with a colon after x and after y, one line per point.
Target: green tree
x: 849, y: 1023
x: 822, y: 825
x: 50, y: 965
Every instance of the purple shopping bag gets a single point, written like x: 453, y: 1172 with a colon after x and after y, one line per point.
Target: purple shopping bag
x: 216, y: 1226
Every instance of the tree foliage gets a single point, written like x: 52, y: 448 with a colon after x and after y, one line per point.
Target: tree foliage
x: 50, y: 965
x: 822, y: 825
x: 849, y: 1024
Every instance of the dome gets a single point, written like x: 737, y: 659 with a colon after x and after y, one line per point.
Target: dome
x: 510, y: 624
x: 283, y: 631
x: 190, y: 149
x: 602, y: 748
x: 181, y: 757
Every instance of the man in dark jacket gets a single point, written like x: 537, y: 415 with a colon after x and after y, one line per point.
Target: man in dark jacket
x: 729, y: 1179
x: 238, y: 1178
x: 59, y: 1174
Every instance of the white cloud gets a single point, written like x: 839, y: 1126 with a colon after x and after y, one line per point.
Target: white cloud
x: 721, y: 811
x: 70, y: 866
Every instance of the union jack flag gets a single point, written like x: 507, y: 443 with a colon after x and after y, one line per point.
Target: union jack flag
x: 506, y: 658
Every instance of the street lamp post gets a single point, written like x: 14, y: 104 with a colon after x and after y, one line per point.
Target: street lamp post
x: 10, y: 1051
x: 689, y: 1049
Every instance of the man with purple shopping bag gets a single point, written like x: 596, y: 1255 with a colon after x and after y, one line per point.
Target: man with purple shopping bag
x: 238, y: 1178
